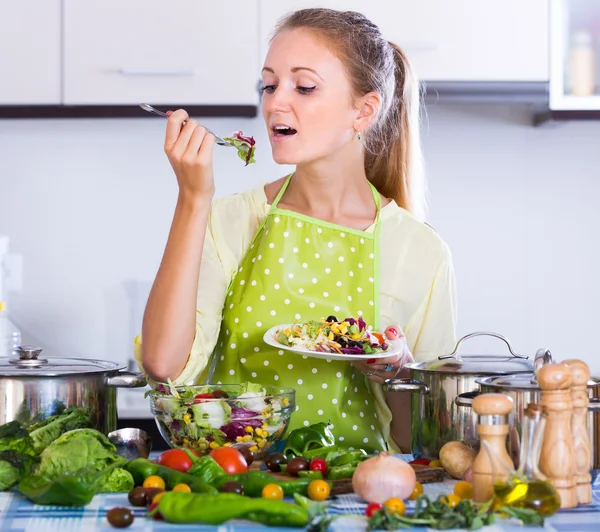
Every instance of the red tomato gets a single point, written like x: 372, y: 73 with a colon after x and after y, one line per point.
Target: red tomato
x: 230, y: 459
x: 175, y: 459
x: 372, y: 508
x: 318, y: 464
x: 198, y: 398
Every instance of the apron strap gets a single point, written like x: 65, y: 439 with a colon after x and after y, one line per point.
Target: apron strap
x: 282, y: 191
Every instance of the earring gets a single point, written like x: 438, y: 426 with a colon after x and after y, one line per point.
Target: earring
x: 358, y: 134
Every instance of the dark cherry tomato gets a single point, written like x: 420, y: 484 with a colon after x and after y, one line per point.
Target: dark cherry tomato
x: 297, y: 464
x: 157, y: 515
x: 274, y: 460
x: 332, y: 318
x: 232, y: 487
x: 175, y: 459
x: 151, y: 493
x: 248, y: 455
x: 120, y: 517
x: 220, y: 394
x: 372, y: 508
x: 318, y: 464
x: 137, y: 496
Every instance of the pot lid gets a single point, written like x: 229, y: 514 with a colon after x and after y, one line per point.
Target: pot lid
x: 29, y: 363
x: 523, y: 381
x: 484, y: 364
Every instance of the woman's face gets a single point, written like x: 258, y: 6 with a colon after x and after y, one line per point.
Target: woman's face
x: 306, y: 89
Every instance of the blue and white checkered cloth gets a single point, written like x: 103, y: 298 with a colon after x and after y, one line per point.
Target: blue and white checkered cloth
x: 19, y: 515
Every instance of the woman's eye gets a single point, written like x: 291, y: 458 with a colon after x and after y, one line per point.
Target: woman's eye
x: 268, y: 88
x: 306, y: 90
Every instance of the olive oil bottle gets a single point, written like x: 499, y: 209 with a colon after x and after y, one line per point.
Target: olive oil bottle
x: 528, y: 487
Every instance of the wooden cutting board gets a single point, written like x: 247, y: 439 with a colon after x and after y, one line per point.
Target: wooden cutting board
x: 425, y: 475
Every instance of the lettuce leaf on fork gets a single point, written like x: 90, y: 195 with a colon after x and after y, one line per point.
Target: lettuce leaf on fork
x: 245, y: 146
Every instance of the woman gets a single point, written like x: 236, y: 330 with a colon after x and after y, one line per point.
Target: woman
x: 340, y: 236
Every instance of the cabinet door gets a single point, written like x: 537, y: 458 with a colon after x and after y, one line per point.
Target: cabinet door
x: 30, y: 52
x: 450, y: 40
x: 182, y: 51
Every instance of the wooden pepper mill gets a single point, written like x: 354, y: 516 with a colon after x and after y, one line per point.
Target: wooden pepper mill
x: 580, y: 375
x: 557, y: 458
x: 490, y: 465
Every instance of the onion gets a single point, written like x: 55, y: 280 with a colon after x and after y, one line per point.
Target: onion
x: 456, y: 458
x: 382, y: 477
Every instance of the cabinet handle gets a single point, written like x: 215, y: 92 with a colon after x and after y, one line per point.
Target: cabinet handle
x: 155, y: 72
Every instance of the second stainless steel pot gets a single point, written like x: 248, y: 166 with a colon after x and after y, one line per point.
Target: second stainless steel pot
x: 435, y: 417
x: 524, y: 389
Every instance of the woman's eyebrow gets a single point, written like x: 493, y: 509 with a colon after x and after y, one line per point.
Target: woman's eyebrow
x: 295, y: 69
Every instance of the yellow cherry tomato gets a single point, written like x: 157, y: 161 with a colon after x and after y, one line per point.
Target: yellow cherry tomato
x: 182, y: 487
x: 463, y: 489
x: 435, y: 463
x: 273, y: 492
x: 318, y: 490
x: 395, y: 505
x: 158, y: 497
x: 416, y: 492
x: 451, y: 500
x: 154, y: 481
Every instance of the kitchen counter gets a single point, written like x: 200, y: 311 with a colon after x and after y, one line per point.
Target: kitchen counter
x: 18, y: 515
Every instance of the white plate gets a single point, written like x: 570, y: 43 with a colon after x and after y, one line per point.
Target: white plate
x: 270, y: 338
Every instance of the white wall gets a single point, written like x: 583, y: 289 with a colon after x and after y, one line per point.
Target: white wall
x: 89, y: 202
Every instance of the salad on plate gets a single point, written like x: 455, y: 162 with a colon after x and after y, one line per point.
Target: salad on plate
x: 348, y: 337
x: 206, y: 417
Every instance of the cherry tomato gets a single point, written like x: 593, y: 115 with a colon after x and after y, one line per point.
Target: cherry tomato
x: 175, y: 459
x: 435, y: 463
x: 318, y: 464
x: 273, y: 492
x: 318, y: 490
x: 372, y: 508
x: 156, y: 499
x: 392, y: 332
x: 416, y: 492
x: 420, y: 461
x: 182, y: 487
x: 198, y: 398
x: 154, y: 481
x: 463, y: 489
x: 395, y: 505
x: 451, y: 500
x: 230, y: 459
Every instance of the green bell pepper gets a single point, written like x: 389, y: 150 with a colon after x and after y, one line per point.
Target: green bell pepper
x: 141, y: 469
x: 348, y: 457
x: 207, y: 469
x: 180, y: 507
x: 342, y: 471
x: 254, y: 482
x: 308, y: 438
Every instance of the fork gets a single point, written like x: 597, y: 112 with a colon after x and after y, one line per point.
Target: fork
x: 220, y: 141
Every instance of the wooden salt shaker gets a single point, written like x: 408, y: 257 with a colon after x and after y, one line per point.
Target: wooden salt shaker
x: 580, y: 375
x: 493, y: 410
x: 557, y: 458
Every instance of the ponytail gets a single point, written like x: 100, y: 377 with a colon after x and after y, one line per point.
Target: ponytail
x: 397, y: 171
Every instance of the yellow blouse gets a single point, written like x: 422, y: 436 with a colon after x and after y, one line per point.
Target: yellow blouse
x: 417, y: 283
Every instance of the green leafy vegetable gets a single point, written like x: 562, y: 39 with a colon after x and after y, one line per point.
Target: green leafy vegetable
x: 45, y: 432
x: 13, y: 467
x: 245, y: 146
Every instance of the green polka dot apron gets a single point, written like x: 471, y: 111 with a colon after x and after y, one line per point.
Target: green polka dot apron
x: 298, y: 268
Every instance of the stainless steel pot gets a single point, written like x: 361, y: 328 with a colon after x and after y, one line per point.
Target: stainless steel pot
x: 524, y: 389
x: 435, y: 417
x: 32, y: 386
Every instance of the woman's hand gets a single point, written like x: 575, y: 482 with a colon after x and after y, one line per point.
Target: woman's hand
x: 189, y: 149
x: 380, y: 369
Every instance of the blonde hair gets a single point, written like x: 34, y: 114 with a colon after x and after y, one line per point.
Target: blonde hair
x: 394, y: 160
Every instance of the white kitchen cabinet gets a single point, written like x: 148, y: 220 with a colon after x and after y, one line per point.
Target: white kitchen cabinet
x: 450, y: 40
x: 185, y: 51
x: 30, y: 52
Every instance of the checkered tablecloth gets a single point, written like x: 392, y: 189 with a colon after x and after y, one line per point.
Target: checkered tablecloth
x: 19, y: 515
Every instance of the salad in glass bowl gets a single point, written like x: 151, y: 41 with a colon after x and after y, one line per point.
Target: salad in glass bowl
x: 202, y: 418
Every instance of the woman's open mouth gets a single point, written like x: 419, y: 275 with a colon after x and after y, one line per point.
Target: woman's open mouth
x: 283, y: 131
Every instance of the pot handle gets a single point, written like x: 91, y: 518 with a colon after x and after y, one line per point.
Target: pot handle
x: 481, y: 333
x: 405, y: 385
x: 594, y: 405
x: 127, y: 379
x: 466, y: 399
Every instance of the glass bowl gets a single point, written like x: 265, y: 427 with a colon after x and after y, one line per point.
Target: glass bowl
x: 202, y: 418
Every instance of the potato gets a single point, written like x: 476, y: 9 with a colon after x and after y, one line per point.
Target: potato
x: 456, y: 458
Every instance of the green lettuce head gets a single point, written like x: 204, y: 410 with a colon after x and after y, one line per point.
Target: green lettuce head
x: 245, y: 146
